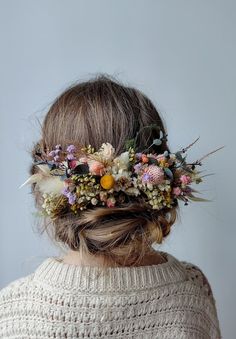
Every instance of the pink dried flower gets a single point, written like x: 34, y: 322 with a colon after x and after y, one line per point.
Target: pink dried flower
x: 68, y: 181
x: 153, y: 175
x: 111, y: 202
x: 72, y: 164
x: 96, y: 167
x: 103, y: 196
x: 185, y: 179
x: 177, y: 191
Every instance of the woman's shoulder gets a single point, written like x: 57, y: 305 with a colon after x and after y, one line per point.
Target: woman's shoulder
x: 198, y: 276
x: 14, y: 287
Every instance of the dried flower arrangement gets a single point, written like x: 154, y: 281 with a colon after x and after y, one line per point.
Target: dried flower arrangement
x: 72, y: 182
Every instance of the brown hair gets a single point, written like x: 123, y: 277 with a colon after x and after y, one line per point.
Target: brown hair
x: 92, y: 112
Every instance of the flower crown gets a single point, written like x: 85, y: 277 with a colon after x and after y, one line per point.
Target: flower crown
x: 74, y: 180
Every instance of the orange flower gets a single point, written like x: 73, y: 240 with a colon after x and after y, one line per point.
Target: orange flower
x: 107, y: 181
x: 144, y: 158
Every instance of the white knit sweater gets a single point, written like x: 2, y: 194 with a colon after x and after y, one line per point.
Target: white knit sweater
x: 59, y: 300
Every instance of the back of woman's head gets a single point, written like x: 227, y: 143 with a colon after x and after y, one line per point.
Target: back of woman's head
x: 90, y: 113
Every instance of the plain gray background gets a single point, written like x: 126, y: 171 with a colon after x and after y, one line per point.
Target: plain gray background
x: 180, y: 53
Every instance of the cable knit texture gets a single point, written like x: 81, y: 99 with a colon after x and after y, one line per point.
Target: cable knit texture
x: 59, y: 300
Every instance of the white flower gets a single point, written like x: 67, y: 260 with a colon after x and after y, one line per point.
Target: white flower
x: 121, y: 174
x: 122, y: 161
x: 94, y: 201
x: 149, y: 186
x: 107, y: 151
x: 165, y: 186
x: 121, y: 164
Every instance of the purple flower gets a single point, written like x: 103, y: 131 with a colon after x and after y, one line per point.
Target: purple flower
x: 52, y: 153
x: 72, y: 198
x: 71, y: 149
x: 57, y: 151
x: 138, y: 155
x: 70, y: 157
x: 146, y: 177
x: 137, y: 167
x: 65, y: 191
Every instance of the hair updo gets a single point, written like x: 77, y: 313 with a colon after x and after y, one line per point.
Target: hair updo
x: 92, y: 112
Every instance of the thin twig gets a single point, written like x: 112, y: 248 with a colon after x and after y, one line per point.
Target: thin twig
x: 210, y: 154
x: 186, y: 148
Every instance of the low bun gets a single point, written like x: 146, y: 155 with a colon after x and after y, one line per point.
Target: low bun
x: 122, y: 234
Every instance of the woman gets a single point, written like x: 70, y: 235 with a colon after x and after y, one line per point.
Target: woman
x: 108, y: 187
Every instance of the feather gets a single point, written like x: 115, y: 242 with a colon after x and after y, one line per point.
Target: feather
x: 32, y: 179
x: 46, y: 182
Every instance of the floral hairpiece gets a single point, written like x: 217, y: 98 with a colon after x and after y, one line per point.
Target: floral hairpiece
x: 69, y: 182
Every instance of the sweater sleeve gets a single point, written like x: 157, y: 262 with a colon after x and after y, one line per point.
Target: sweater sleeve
x: 197, y: 276
x: 8, y: 295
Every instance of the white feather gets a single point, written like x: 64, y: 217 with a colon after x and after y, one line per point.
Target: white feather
x: 31, y: 180
x: 45, y: 181
x: 51, y: 185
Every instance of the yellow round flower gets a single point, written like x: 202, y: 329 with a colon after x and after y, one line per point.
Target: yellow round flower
x: 107, y: 181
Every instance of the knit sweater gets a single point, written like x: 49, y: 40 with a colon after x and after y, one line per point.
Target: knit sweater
x: 60, y: 300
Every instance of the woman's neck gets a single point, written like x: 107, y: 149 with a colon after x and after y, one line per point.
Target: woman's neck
x: 75, y: 258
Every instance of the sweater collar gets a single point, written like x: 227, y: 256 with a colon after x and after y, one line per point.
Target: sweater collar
x: 54, y: 272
